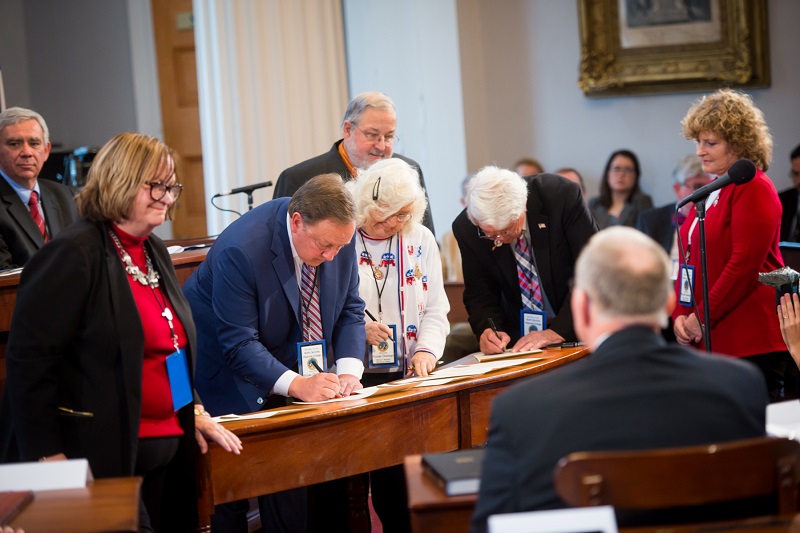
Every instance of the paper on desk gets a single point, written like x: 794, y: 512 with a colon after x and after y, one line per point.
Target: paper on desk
x: 783, y: 419
x: 45, y: 475
x: 10, y: 271
x: 482, y: 357
x: 356, y: 395
x: 260, y: 414
x: 474, y: 369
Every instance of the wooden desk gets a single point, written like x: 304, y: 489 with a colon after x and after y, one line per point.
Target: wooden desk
x: 185, y: 263
x: 110, y: 504
x: 332, y: 441
x: 433, y: 510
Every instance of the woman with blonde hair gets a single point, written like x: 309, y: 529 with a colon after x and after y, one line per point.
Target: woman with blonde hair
x: 742, y: 225
x: 100, y: 354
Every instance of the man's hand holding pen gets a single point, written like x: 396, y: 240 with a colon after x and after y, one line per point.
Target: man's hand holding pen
x: 493, y: 341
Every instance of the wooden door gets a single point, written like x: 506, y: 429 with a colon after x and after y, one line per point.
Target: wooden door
x: 177, y: 73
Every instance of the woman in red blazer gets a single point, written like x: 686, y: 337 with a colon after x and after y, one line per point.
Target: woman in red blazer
x: 742, y: 227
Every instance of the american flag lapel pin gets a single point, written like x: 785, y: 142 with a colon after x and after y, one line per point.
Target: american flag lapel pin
x: 542, y: 225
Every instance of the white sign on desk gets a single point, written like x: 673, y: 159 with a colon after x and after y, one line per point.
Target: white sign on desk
x: 47, y: 475
x: 783, y: 419
x: 576, y: 520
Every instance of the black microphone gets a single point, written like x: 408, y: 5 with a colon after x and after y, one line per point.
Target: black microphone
x: 247, y: 188
x: 740, y: 173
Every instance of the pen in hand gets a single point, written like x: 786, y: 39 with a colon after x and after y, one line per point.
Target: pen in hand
x: 314, y: 363
x: 494, y: 329
x: 370, y: 315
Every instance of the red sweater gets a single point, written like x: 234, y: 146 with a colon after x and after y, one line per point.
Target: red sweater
x: 742, y: 234
x: 158, y: 418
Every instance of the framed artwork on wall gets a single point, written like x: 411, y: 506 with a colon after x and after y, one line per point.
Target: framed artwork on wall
x: 631, y: 47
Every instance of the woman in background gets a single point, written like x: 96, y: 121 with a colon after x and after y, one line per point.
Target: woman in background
x: 99, y: 357
x: 620, y: 201
x: 742, y: 226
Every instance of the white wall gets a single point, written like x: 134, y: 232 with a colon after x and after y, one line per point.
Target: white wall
x: 529, y: 60
x: 409, y: 50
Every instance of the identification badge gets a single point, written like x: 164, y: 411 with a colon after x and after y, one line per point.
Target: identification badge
x: 311, y: 358
x: 385, y: 353
x: 178, y: 373
x: 531, y: 321
x: 687, y: 285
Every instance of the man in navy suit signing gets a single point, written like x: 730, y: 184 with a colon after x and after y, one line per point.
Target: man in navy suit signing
x: 32, y: 211
x: 251, y: 313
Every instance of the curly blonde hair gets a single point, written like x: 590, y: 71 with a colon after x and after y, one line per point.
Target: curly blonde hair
x: 732, y: 115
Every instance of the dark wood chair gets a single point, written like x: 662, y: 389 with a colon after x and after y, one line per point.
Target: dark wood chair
x: 682, y: 477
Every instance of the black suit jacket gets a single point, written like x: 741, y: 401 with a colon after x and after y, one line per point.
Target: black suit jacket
x: 789, y: 203
x: 294, y: 177
x: 74, y: 362
x: 19, y: 236
x: 635, y: 392
x: 560, y: 225
x: 657, y: 224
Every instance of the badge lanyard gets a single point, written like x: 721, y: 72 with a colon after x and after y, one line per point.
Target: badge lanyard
x: 377, y: 274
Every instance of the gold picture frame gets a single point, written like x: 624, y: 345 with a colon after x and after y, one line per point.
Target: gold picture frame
x: 627, y: 50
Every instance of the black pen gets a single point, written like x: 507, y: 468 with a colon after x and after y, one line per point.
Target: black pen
x: 370, y: 315
x: 314, y: 363
x: 494, y: 328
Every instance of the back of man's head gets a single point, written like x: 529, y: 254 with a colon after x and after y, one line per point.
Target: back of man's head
x: 496, y: 197
x: 15, y: 115
x: 626, y: 276
x: 363, y: 101
x: 324, y: 197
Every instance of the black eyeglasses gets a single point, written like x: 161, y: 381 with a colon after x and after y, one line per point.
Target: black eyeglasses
x: 159, y: 189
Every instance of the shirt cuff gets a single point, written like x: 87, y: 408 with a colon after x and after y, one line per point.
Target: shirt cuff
x: 350, y: 365
x: 282, y: 385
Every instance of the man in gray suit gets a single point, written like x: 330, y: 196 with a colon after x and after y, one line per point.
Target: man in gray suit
x: 31, y: 211
x: 633, y: 392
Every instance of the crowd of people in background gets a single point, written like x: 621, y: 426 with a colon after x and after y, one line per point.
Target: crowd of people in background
x: 338, y: 283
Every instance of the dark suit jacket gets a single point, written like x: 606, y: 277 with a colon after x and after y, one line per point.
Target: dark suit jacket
x: 560, y: 225
x: 331, y: 162
x: 634, y: 392
x: 19, y: 236
x: 789, y: 203
x: 657, y: 224
x: 246, y: 304
x: 76, y: 346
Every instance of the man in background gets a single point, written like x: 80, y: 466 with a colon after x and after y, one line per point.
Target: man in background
x: 634, y: 391
x: 790, y: 225
x: 661, y: 223
x: 369, y: 131
x: 31, y: 211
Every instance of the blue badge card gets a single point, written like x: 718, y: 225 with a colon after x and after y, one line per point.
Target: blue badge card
x: 531, y: 321
x: 178, y: 373
x: 687, y: 285
x: 385, y: 354
x: 311, y: 358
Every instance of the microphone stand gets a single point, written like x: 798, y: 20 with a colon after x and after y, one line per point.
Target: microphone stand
x: 249, y: 200
x: 700, y: 209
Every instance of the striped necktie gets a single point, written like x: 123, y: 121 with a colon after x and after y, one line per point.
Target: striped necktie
x: 309, y: 295
x: 528, y: 280
x: 36, y: 215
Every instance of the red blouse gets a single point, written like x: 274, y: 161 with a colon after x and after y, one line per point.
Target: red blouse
x: 158, y: 419
x: 742, y: 235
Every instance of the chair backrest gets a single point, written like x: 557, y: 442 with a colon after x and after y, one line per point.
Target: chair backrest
x: 686, y: 476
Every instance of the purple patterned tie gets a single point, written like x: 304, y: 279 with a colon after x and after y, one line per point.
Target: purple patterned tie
x: 309, y: 296
x: 528, y: 280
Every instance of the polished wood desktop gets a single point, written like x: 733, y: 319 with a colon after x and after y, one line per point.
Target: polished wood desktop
x: 110, y: 504
x: 324, y: 442
x: 185, y: 263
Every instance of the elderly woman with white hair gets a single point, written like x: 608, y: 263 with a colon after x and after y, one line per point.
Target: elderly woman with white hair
x: 401, y: 284
x: 400, y: 273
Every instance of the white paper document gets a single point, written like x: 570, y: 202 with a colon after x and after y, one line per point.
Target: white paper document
x: 47, y: 475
